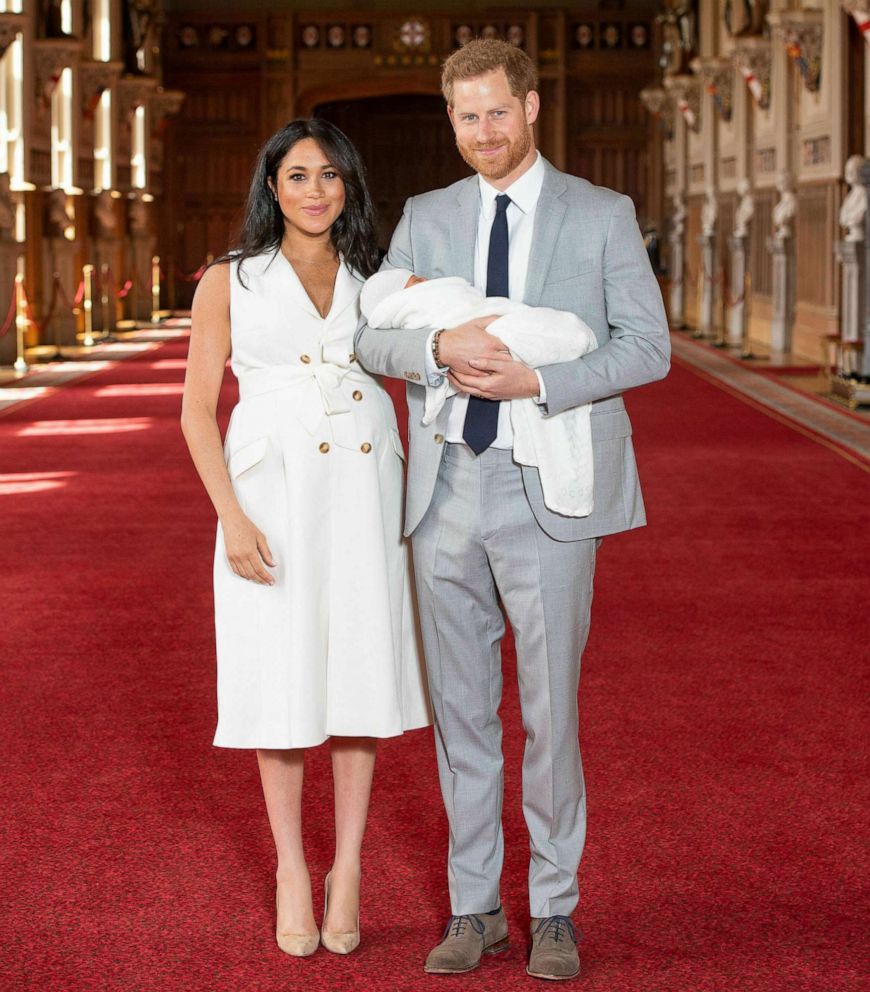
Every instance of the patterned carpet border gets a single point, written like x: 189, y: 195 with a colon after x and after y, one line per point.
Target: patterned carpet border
x: 836, y: 429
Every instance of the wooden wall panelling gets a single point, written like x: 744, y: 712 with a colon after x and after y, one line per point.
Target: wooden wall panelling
x: 815, y: 229
x: 761, y: 264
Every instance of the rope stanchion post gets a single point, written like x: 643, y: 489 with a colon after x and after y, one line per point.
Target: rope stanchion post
x: 88, y: 303
x: 21, y: 323
x: 105, y: 316
x: 155, y: 289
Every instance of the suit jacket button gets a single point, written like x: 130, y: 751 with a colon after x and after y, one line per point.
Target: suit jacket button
x: 304, y: 359
x: 357, y: 395
x: 324, y: 447
x: 365, y: 448
x: 439, y: 439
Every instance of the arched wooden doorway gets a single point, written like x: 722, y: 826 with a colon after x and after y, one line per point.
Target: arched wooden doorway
x: 406, y: 143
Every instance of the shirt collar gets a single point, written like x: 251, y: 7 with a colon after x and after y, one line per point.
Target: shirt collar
x: 524, y: 192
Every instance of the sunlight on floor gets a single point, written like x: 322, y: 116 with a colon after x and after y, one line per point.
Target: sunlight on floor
x: 52, y: 428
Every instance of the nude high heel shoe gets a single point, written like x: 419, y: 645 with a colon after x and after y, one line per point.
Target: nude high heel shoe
x: 338, y: 943
x: 299, y: 945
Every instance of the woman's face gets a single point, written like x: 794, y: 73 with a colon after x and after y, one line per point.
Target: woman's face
x: 310, y: 190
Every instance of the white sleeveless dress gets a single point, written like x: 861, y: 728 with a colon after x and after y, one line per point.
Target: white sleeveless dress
x: 315, y: 458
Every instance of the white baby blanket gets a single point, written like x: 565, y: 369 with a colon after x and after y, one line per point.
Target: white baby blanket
x: 560, y: 447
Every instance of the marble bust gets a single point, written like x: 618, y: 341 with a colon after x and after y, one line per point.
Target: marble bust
x: 709, y: 213
x: 786, y: 207
x: 745, y: 209
x: 854, y: 207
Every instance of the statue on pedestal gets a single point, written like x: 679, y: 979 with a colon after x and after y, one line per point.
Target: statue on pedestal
x: 678, y: 217
x: 745, y: 210
x: 854, y: 207
x: 59, y: 221
x: 104, y: 214
x: 7, y: 209
x: 786, y: 207
x: 709, y: 213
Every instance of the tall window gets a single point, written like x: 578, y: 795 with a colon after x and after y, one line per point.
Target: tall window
x: 103, y: 142
x: 11, y: 133
x: 61, y: 132
x: 137, y: 157
x: 66, y: 16
x: 102, y: 30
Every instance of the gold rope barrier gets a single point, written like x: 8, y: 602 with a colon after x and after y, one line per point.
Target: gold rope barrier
x: 155, y: 289
x: 21, y: 323
x: 88, y: 274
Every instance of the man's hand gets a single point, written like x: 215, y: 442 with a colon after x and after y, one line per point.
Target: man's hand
x: 458, y: 345
x: 498, y: 377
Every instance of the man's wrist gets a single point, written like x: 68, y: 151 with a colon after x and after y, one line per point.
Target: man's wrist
x: 436, y: 351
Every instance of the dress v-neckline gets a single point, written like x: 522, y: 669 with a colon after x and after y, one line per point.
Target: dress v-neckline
x: 324, y: 317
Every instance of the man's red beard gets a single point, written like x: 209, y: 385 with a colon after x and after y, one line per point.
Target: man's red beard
x: 500, y: 165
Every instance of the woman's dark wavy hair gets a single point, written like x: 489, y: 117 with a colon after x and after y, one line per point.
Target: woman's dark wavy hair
x: 353, y: 232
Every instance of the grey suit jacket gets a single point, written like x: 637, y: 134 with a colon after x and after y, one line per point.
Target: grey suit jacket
x: 587, y: 256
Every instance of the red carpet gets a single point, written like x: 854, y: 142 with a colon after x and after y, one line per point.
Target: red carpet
x: 723, y: 723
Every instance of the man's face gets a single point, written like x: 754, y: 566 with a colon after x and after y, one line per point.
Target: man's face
x: 493, y: 127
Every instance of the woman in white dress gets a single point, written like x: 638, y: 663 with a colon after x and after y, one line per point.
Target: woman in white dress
x: 316, y: 633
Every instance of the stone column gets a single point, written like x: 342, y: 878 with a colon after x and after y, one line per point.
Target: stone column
x: 677, y: 289
x: 706, y: 322
x: 735, y: 333
x: 851, y: 257
x: 865, y: 288
x: 9, y: 252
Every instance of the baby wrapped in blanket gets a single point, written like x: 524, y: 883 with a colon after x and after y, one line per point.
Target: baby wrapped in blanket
x: 560, y: 447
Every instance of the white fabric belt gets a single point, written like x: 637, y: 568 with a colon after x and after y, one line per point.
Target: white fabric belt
x: 318, y: 385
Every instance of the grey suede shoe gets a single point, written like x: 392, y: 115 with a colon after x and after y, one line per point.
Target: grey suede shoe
x: 465, y: 939
x: 554, y: 948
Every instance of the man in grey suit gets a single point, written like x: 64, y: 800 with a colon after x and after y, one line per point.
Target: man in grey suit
x: 480, y: 528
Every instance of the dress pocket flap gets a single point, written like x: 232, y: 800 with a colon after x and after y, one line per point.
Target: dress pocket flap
x: 247, y: 456
x: 606, y: 426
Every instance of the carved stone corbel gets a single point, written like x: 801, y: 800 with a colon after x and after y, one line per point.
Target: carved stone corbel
x: 11, y: 25
x: 752, y: 58
x: 165, y: 103
x: 94, y: 77
x: 658, y: 102
x: 860, y: 11
x: 133, y: 92
x: 802, y: 32
x: 686, y: 93
x: 717, y: 77
x: 50, y: 57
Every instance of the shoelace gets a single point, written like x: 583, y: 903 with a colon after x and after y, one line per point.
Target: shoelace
x: 456, y: 926
x: 557, y: 927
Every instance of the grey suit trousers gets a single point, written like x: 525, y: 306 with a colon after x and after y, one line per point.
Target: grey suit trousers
x: 479, y: 541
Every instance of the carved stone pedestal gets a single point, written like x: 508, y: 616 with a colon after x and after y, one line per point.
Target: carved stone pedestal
x: 9, y: 252
x: 735, y: 333
x: 708, y: 291
x: 106, y: 282
x: 677, y: 293
x: 61, y: 259
x: 851, y: 257
x: 782, y: 322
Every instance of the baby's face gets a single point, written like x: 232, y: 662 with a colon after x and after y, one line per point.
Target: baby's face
x: 413, y: 281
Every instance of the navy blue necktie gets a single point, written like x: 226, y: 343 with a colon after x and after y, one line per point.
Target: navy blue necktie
x: 481, y: 418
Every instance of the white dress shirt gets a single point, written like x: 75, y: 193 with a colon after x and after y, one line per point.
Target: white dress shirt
x: 524, y: 195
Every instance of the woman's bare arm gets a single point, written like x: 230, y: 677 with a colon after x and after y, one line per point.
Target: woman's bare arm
x: 246, y: 546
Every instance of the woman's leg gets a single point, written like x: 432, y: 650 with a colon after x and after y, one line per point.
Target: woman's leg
x: 281, y: 773
x: 353, y: 764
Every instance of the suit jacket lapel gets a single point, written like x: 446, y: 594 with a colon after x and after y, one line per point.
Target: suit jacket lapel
x: 463, y: 229
x: 549, y: 215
